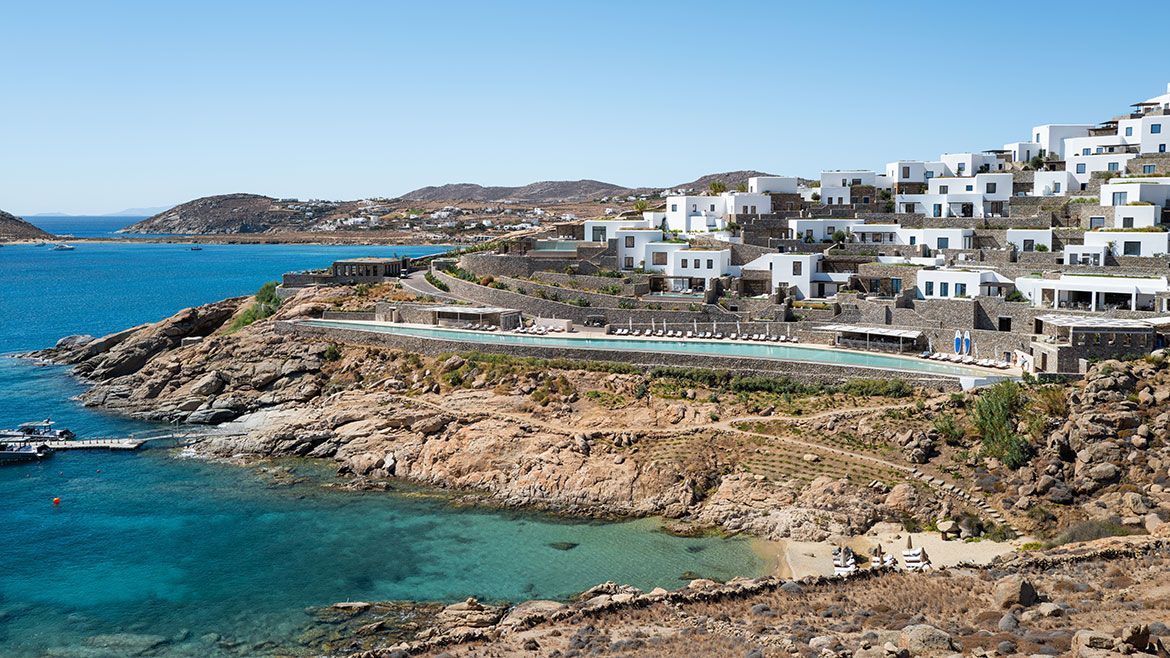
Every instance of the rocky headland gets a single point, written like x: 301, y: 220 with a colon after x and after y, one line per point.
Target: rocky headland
x: 13, y: 228
x: 1062, y: 463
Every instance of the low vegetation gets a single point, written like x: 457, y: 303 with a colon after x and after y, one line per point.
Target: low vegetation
x: 266, y: 305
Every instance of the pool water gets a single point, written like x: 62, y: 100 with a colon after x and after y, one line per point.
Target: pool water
x: 797, y: 353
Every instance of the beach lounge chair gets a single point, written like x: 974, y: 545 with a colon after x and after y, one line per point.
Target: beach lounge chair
x: 733, y: 336
x: 774, y: 338
x: 718, y: 336
x: 690, y: 335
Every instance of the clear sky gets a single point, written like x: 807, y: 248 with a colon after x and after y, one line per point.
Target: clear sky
x: 107, y: 105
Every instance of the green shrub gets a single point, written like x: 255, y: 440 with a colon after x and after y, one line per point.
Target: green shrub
x: 265, y: 306
x: 949, y: 429
x: 995, y: 415
x: 436, y: 282
x: 332, y: 353
x: 1015, y: 296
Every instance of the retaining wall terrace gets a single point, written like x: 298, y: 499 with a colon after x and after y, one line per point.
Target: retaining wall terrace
x: 546, y: 308
x: 595, y: 299
x: 631, y: 283
x: 798, y: 371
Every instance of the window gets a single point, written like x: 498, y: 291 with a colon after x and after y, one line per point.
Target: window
x: 913, y: 240
x: 969, y: 188
x: 944, y: 289
x: 829, y: 231
x: 905, y: 172
x: 674, y: 207
x: 1029, y: 245
x: 1155, y: 128
x: 962, y: 167
x: 1161, y: 148
x: 1127, y: 222
x: 658, y: 258
x: 1149, y: 169
x: 895, y: 285
x: 744, y: 211
x: 943, y: 189
x: 629, y: 241
x: 796, y: 267
x: 629, y: 262
x: 683, y: 264
x: 944, y: 243
x: 712, y: 207
x: 1133, y: 248
x: 694, y: 207
x: 991, y: 187
x: 1056, y: 188
x: 1086, y: 151
x: 865, y: 199
x: 1096, y: 222
x: 1112, y: 166
x: 1120, y: 198
x: 1080, y: 168
x: 938, y: 210
x: 1129, y: 131
x: 960, y: 290
x: 710, y: 264
x: 1100, y: 149
x: 857, y: 181
x: 929, y: 288
x: 930, y: 174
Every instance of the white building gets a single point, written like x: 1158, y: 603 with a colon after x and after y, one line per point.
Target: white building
x: 801, y: 274
x: 1030, y: 239
x: 1051, y: 136
x: 981, y: 195
x: 772, y: 185
x: 961, y: 283
x: 1093, y: 293
x: 1123, y: 242
x: 632, y: 244
x: 1054, y: 183
x: 836, y: 186
x: 604, y: 230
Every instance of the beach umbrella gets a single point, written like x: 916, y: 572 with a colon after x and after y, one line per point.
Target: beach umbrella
x: 696, y: 325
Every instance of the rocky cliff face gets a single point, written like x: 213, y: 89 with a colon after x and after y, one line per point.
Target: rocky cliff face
x: 15, y: 228
x: 380, y: 414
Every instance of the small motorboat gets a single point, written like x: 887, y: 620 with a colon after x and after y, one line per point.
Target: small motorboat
x: 14, y: 453
x: 38, y: 431
x: 196, y: 247
x: 61, y: 246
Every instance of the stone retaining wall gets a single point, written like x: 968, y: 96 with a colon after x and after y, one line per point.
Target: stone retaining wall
x: 534, y: 306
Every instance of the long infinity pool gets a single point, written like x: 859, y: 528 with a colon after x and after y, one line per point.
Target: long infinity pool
x: 801, y: 353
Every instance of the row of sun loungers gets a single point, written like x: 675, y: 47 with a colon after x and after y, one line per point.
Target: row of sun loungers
x: 966, y: 360
x: 539, y: 330
x: 480, y: 327
x: 706, y: 335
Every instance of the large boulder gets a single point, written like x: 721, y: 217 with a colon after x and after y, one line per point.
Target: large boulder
x: 1012, y: 591
x: 924, y: 639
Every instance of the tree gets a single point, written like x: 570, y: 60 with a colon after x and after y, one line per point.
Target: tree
x: 641, y: 205
x: 816, y: 196
x: 839, y: 236
x: 717, y: 187
x: 742, y: 187
x: 1036, y: 163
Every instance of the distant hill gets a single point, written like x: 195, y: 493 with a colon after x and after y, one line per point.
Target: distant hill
x: 15, y: 228
x: 138, y: 212
x: 242, y: 213
x: 541, y: 192
x: 728, y: 178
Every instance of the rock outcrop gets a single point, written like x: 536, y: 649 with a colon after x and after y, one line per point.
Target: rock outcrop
x: 14, y: 228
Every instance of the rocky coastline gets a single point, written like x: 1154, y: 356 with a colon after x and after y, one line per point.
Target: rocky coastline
x: 618, y: 444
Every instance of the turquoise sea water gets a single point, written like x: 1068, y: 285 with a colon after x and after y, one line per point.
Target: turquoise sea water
x: 146, y: 543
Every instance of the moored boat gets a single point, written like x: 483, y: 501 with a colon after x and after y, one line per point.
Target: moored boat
x: 14, y: 453
x: 40, y: 430
x: 63, y: 247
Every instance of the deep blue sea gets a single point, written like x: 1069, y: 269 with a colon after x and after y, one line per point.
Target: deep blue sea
x: 146, y: 543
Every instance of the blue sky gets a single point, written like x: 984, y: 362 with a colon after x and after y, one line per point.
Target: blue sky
x: 111, y: 105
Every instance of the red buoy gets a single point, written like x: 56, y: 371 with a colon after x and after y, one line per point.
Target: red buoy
x: 56, y: 501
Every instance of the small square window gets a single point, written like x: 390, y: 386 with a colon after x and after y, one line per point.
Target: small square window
x: 1081, y: 168
x: 683, y: 263
x: 930, y: 288
x: 1149, y: 169
x: 991, y: 188
x: 796, y: 267
x: 970, y: 188
x: 1132, y: 249
x: 1127, y: 222
x: 1129, y: 131
x: 1155, y: 128
x: 1112, y: 166
x: 629, y: 241
x: 710, y: 264
x: 943, y: 189
x: 1086, y: 151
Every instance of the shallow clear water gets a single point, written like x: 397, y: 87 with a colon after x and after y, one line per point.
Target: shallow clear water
x: 751, y: 350
x: 146, y: 543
